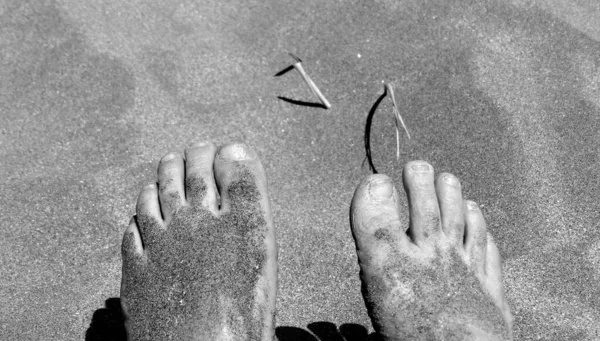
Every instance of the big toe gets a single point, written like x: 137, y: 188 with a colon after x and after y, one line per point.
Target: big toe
x: 375, y: 221
x: 242, y: 184
x: 240, y: 179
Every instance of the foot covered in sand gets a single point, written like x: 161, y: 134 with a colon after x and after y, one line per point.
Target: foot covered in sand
x: 439, y: 280
x: 199, y: 257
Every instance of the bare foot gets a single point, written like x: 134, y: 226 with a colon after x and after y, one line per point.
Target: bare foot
x: 441, y: 279
x: 196, y: 267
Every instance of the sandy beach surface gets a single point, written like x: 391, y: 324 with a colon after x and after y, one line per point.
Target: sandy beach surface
x: 503, y: 94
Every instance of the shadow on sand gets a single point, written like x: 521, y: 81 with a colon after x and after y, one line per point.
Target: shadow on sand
x: 108, y: 325
x: 325, y: 331
x: 302, y: 103
x: 367, y: 138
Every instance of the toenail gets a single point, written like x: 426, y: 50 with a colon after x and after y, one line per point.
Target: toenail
x: 198, y: 144
x: 420, y: 167
x: 168, y: 157
x: 472, y: 206
x: 381, y: 189
x: 451, y: 180
x: 237, y: 152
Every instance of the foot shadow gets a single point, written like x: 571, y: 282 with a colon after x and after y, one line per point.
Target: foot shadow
x: 325, y: 331
x: 107, y: 323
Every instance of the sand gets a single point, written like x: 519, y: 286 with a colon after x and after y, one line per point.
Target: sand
x: 503, y: 94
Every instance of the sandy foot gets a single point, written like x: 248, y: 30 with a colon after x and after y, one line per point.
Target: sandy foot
x: 439, y: 280
x: 200, y: 258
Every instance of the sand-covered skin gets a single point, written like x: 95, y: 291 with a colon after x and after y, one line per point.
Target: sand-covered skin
x: 440, y: 280
x: 204, y: 273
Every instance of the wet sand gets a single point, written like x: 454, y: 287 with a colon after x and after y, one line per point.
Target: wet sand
x: 503, y: 94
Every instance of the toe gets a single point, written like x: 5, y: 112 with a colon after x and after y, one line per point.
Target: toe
x: 493, y: 273
x: 422, y: 201
x: 170, y: 184
x: 132, y: 245
x: 200, y: 187
x: 148, y: 217
x: 242, y: 185
x: 148, y: 208
x: 493, y: 263
x: 450, y: 200
x: 475, y: 237
x: 240, y: 178
x: 375, y: 219
x: 132, y: 253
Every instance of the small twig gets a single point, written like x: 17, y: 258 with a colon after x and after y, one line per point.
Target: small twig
x: 389, y: 89
x: 298, y: 66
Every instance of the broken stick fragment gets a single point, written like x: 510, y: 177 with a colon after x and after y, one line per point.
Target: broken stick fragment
x: 399, y: 121
x: 298, y: 66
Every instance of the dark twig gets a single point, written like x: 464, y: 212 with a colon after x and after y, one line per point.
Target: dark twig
x: 284, y: 71
x: 369, y: 156
x: 398, y: 120
x: 302, y: 103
